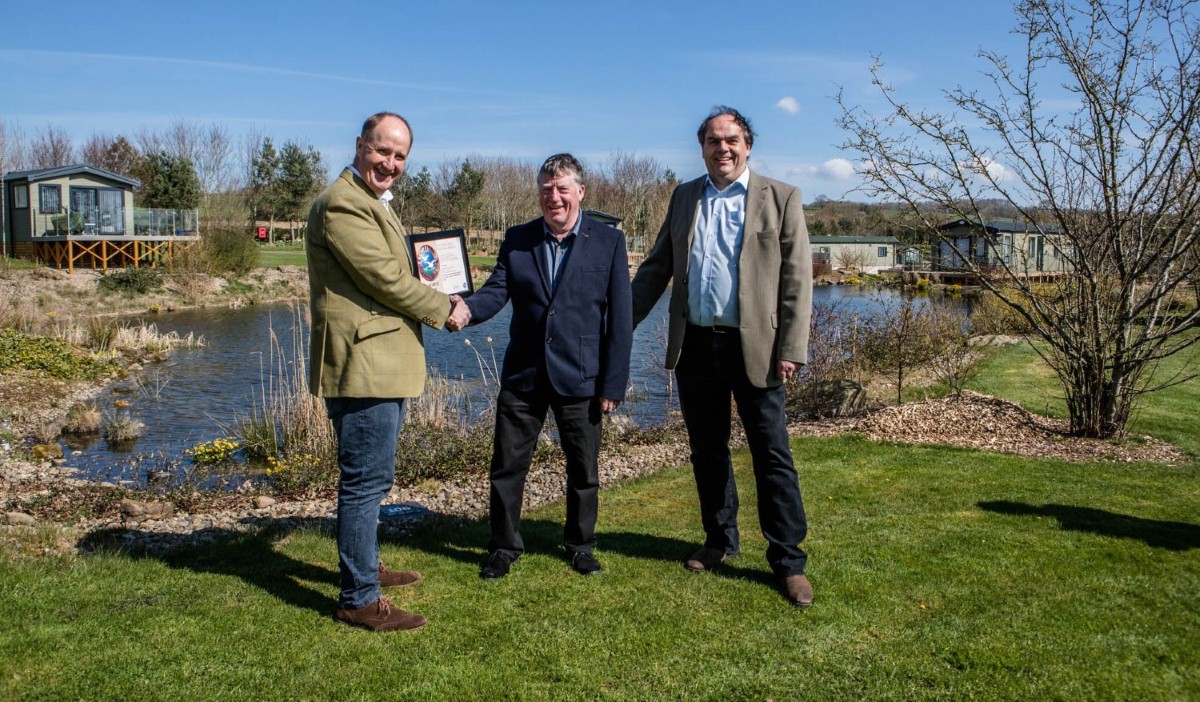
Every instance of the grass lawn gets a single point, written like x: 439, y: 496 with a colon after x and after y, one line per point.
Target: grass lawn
x: 272, y: 255
x: 940, y: 574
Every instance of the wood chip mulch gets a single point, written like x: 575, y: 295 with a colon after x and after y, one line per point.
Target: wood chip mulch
x: 978, y: 421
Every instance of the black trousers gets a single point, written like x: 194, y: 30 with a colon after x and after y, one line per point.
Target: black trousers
x: 710, y: 371
x: 519, y: 419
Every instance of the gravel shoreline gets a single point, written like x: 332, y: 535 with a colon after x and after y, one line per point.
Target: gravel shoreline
x: 460, y: 499
x: 972, y: 421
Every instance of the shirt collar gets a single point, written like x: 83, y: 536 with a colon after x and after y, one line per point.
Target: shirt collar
x: 743, y: 180
x: 574, y: 229
x: 387, y: 195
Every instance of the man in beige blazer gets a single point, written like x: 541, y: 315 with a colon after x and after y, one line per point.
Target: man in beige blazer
x: 367, y: 354
x: 736, y: 247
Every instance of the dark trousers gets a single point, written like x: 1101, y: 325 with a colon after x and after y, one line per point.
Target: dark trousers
x: 519, y: 420
x: 711, y: 370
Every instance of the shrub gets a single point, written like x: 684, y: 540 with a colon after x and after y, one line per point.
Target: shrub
x: 83, y: 419
x: 991, y: 315
x: 133, y: 281
x: 48, y: 357
x: 123, y: 429
x: 301, y: 473
x: 833, y: 356
x: 101, y: 333
x: 229, y: 251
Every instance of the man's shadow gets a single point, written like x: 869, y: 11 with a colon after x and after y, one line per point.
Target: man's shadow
x: 251, y: 556
x: 1173, y: 536
x: 468, y: 544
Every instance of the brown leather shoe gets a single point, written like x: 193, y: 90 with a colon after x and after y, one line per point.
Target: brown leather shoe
x: 798, y: 590
x: 397, y: 578
x: 704, y: 560
x: 380, y: 615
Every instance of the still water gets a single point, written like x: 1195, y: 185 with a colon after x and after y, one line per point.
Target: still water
x: 200, y: 394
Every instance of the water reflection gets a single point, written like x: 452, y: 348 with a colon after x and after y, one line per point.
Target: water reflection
x: 199, y: 394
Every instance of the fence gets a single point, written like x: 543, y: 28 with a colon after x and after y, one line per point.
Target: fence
x: 150, y: 221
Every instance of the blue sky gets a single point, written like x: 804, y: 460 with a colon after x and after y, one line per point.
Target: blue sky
x: 519, y: 79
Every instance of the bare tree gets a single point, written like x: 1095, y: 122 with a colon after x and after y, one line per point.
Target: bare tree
x: 509, y: 193
x: 1111, y: 181
x: 113, y: 154
x: 13, y: 147
x: 638, y: 189
x: 51, y: 148
x: 851, y: 259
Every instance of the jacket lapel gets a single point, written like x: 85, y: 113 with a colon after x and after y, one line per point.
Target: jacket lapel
x: 694, y: 196
x: 756, y: 201
x: 538, y: 235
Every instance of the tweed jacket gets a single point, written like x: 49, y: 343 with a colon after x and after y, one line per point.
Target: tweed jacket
x: 775, y: 273
x: 367, y: 306
x: 581, y: 332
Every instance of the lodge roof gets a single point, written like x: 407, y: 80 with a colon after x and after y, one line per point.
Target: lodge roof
x: 74, y: 169
x: 995, y: 226
x: 865, y: 239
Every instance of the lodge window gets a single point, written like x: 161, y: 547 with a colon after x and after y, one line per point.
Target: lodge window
x: 102, y: 209
x: 20, y: 197
x: 50, y: 198
x: 881, y: 252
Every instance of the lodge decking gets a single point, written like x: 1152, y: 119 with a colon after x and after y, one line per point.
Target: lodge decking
x: 107, y: 251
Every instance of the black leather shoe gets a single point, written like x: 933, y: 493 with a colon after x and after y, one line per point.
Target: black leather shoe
x: 585, y: 563
x: 496, y: 566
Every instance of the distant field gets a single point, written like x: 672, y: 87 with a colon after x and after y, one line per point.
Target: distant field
x: 272, y: 255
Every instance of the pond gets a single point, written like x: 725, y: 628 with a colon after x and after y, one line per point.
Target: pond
x: 200, y: 394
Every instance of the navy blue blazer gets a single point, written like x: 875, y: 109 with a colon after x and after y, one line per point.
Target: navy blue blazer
x: 582, y: 333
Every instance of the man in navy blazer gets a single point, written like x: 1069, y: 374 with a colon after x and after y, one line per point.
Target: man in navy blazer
x: 568, y: 352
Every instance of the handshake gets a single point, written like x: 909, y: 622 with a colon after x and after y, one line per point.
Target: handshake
x: 460, y: 314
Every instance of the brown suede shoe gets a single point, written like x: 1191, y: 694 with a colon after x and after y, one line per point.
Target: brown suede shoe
x: 704, y: 560
x: 380, y: 615
x: 397, y: 578
x: 797, y: 590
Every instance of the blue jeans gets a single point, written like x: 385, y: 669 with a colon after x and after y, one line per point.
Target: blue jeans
x: 367, y: 432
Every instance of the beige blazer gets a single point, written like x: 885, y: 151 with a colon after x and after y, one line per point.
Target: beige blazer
x: 775, y: 275
x: 367, y: 306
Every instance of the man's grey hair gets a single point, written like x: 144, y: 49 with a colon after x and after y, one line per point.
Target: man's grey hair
x: 561, y: 164
x: 738, y: 118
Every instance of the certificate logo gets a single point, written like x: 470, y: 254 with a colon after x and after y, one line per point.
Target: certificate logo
x: 428, y: 265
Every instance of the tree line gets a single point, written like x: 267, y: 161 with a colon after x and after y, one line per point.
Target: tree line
x: 190, y: 165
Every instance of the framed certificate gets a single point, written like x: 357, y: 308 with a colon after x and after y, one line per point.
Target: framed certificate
x: 441, y: 261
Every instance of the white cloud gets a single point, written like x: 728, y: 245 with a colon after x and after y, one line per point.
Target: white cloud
x: 996, y: 171
x: 835, y: 170
x: 788, y: 104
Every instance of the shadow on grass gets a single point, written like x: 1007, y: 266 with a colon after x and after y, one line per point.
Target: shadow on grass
x: 468, y: 542
x: 1174, y: 536
x: 251, y: 556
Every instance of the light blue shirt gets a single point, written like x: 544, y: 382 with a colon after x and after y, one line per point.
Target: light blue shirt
x: 557, y: 251
x: 713, y: 260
